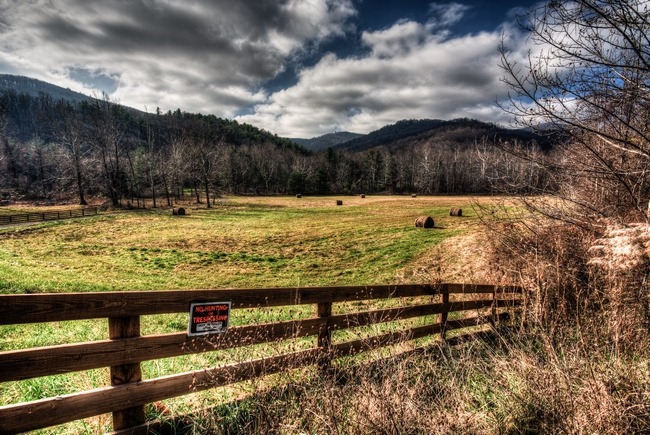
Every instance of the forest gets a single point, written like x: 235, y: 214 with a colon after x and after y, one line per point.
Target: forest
x: 63, y: 150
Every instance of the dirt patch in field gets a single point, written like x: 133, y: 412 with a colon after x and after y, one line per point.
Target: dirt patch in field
x: 457, y: 259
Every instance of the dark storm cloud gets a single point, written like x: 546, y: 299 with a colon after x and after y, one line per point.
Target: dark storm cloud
x: 63, y: 30
x: 239, y: 43
x: 200, y: 55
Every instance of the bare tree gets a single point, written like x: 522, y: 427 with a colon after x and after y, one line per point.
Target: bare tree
x: 107, y: 135
x: 204, y: 140
x: 266, y: 163
x: 588, y: 74
x: 3, y: 128
x: 69, y: 130
x: 151, y: 139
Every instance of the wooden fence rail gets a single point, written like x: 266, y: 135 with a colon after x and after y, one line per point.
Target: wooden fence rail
x: 126, y: 348
x: 47, y: 215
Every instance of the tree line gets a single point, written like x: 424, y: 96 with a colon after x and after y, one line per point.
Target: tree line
x: 60, y: 150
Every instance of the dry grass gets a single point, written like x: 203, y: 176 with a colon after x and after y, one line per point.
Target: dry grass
x: 458, y: 258
x: 508, y: 384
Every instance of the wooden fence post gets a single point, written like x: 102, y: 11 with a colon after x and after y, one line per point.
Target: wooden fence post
x: 442, y: 317
x: 324, y: 339
x: 126, y: 327
x: 493, y: 314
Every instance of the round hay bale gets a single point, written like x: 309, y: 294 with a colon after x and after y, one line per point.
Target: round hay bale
x: 298, y: 196
x: 424, y: 222
x: 339, y: 202
x: 456, y: 212
x: 414, y: 196
x: 363, y: 196
x: 180, y: 211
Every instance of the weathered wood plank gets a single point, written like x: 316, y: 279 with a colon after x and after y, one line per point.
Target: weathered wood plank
x: 324, y: 337
x: 119, y: 328
x: 51, y: 307
x: 479, y: 288
x: 442, y: 317
x: 375, y: 342
x: 59, y: 359
x: 50, y: 360
x: 62, y: 409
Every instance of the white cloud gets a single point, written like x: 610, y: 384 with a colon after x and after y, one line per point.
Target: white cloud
x: 446, y: 14
x: 397, y: 39
x: 409, y: 72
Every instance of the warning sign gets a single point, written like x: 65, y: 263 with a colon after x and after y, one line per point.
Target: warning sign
x: 209, y: 318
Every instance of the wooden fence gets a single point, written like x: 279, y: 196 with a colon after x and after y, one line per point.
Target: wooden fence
x: 128, y: 393
x: 47, y: 215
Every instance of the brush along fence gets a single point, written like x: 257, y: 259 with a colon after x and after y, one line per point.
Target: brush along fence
x: 126, y: 348
x: 47, y: 216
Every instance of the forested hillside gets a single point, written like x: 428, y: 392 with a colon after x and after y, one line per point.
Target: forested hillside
x: 326, y: 140
x: 68, y: 149
x: 462, y: 131
x: 34, y: 88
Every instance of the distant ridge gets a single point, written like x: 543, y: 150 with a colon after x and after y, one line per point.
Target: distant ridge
x: 462, y: 131
x: 326, y: 140
x: 34, y: 88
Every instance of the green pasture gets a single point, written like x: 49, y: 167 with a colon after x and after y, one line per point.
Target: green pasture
x: 241, y: 242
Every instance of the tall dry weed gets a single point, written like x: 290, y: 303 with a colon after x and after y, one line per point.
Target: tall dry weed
x: 549, y: 260
x: 620, y: 265
x: 574, y: 274
x: 512, y: 383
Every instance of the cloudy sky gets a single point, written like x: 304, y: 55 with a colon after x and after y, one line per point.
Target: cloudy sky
x: 297, y: 68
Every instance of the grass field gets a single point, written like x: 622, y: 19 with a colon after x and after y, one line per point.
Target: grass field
x: 530, y: 381
x: 240, y: 242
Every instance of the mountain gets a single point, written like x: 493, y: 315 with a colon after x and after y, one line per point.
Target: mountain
x: 394, y: 137
x: 460, y: 132
x: 34, y: 88
x: 28, y: 115
x: 326, y: 140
